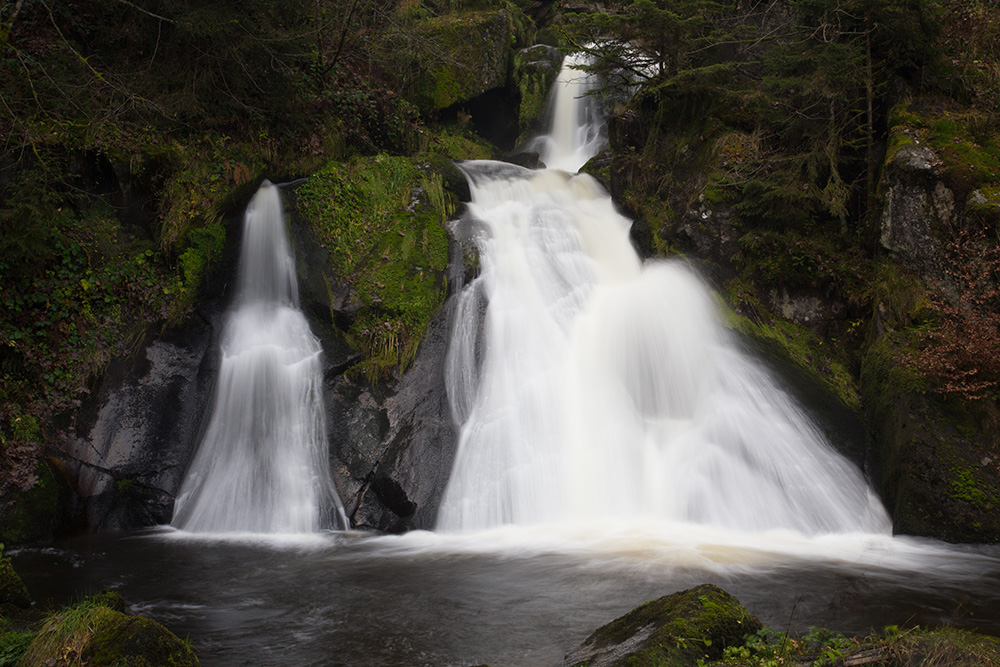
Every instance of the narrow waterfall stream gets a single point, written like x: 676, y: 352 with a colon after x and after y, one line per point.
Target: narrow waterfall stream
x: 263, y: 462
x: 577, y: 132
x: 595, y: 386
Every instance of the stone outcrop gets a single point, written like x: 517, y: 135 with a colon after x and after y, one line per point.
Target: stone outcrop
x: 126, y: 464
x: 919, y: 209
x: 673, y: 631
x: 393, y: 453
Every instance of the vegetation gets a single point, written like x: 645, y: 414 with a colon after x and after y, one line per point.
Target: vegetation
x: 380, y: 220
x: 915, y: 646
x: 132, y: 130
x: 707, y: 627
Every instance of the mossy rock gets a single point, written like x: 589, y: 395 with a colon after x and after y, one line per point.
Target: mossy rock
x: 380, y: 219
x: 93, y: 634
x: 673, y: 631
x: 12, y: 588
x: 535, y: 70
x: 467, y: 54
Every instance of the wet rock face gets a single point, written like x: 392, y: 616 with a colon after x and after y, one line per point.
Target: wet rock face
x: 919, y: 209
x: 392, y: 454
x: 128, y: 456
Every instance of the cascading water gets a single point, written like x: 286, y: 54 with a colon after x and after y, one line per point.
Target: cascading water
x: 577, y: 132
x: 263, y: 464
x: 589, y: 385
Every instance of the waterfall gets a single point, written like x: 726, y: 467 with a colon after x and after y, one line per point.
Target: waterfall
x: 589, y: 385
x: 577, y: 132
x: 262, y: 465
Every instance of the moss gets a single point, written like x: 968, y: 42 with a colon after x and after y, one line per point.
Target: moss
x: 91, y: 633
x: 679, y: 630
x: 966, y: 141
x: 466, y: 55
x: 963, y: 486
x: 204, y: 245
x: 820, y: 361
x: 913, y: 646
x: 380, y: 219
x: 32, y: 515
x: 455, y: 143
x: 12, y: 588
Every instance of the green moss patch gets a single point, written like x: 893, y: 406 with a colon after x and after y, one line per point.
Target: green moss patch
x: 675, y: 630
x: 966, y: 140
x: 91, y: 633
x: 380, y: 220
x: 822, y: 362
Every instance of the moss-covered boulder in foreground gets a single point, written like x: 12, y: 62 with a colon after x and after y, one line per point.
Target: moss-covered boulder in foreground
x: 92, y: 633
x: 675, y: 630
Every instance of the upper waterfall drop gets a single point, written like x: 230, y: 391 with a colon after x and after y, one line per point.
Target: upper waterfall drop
x: 577, y: 126
x: 590, y: 385
x: 262, y: 465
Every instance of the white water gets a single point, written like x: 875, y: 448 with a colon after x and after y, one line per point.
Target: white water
x: 591, y: 387
x: 577, y: 132
x: 263, y: 463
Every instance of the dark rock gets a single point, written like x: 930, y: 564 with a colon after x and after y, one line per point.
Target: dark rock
x: 492, y: 115
x: 396, y: 450
x: 599, y: 167
x: 393, y: 447
x: 706, y: 230
x: 672, y: 631
x: 938, y: 457
x: 526, y: 159
x: 127, y: 461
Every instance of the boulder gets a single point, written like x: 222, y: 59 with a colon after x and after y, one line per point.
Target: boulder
x: 129, y: 452
x: 938, y: 458
x: 673, y: 631
x: 393, y: 450
x: 464, y: 55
